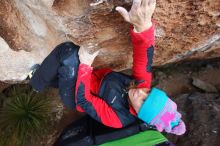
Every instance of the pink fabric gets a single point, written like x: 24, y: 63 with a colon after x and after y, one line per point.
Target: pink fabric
x: 169, y: 119
x: 179, y: 129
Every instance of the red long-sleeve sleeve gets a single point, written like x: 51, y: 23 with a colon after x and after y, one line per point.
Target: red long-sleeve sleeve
x: 143, y: 49
x: 93, y: 105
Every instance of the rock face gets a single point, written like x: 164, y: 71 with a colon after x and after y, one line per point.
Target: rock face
x: 30, y: 29
x: 201, y: 113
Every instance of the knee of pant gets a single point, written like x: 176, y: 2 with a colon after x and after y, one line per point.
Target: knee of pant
x: 68, y: 44
x: 65, y: 46
x: 67, y: 49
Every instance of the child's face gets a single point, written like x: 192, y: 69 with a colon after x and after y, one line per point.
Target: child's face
x: 137, y: 97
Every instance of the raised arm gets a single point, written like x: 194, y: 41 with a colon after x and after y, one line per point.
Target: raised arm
x: 143, y: 50
x: 142, y: 36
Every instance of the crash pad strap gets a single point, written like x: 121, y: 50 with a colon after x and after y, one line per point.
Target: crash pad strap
x: 146, y: 138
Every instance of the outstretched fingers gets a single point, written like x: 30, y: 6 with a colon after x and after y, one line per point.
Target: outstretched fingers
x: 136, y: 4
x: 140, y: 14
x: 145, y: 3
x: 95, y: 54
x: 81, y: 50
x: 152, y: 2
x: 124, y: 13
x: 148, y: 3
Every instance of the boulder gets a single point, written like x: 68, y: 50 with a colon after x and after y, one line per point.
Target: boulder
x: 30, y: 29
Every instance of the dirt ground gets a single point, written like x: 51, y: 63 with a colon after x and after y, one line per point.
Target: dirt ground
x: 177, y: 79
x: 200, y: 108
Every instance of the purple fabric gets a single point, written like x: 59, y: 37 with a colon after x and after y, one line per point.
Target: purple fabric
x: 169, y: 119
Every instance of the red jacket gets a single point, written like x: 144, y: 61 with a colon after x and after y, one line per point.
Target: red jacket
x: 89, y: 82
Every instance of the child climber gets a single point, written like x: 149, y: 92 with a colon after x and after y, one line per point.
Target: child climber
x: 109, y: 97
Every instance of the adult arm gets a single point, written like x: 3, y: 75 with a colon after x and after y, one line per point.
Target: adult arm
x: 143, y: 50
x: 140, y: 17
x: 87, y: 102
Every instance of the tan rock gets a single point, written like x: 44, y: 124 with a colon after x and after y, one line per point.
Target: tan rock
x: 31, y: 29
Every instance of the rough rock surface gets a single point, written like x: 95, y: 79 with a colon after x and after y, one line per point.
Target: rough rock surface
x: 199, y: 107
x: 30, y: 29
x: 201, y: 113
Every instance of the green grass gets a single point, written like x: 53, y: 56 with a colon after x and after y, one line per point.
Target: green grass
x: 24, y: 118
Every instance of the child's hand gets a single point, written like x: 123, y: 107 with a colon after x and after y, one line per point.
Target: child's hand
x: 140, y: 14
x: 85, y: 57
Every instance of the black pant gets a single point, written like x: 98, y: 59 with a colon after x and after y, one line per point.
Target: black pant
x: 59, y: 69
x: 88, y: 132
